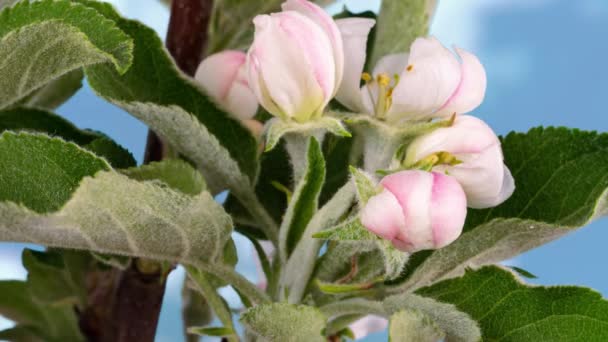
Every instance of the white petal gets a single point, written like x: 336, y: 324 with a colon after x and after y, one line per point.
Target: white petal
x: 392, y: 64
x: 471, y: 90
x: 433, y: 77
x: 217, y: 73
x: 354, y: 32
x: 468, y: 135
x: 327, y: 24
x: 241, y: 101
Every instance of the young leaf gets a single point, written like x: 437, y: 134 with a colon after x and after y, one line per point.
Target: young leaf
x: 277, y: 128
x: 285, y: 322
x: 35, y: 120
x: 213, y: 331
x: 562, y: 182
x: 43, y: 40
x: 176, y: 173
x: 366, y: 187
x: 50, y: 201
x: 508, y: 310
x: 413, y: 326
x: 457, y: 325
x: 305, y: 200
x: 352, y: 230
x: 399, y: 24
x: 154, y: 91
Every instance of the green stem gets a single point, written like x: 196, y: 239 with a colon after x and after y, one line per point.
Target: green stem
x: 354, y: 306
x: 244, y: 286
x: 250, y: 200
x: 214, y: 299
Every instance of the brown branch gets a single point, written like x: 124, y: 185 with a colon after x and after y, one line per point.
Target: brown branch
x: 125, y: 305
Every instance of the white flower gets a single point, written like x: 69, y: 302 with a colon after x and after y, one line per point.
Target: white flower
x: 224, y: 77
x: 429, y: 82
x: 296, y: 61
x: 482, y: 173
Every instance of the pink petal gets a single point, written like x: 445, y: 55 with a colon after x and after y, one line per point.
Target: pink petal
x: 383, y: 216
x: 327, y: 24
x: 472, y: 88
x: 392, y: 64
x: 218, y: 72
x: 448, y: 210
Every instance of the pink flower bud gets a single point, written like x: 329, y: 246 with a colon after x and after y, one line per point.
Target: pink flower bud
x: 482, y: 173
x: 417, y: 210
x: 223, y: 76
x: 296, y: 60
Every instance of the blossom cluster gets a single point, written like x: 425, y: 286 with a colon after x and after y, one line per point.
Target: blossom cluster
x: 301, y: 59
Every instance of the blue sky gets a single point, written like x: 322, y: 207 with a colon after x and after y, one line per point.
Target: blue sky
x: 545, y: 64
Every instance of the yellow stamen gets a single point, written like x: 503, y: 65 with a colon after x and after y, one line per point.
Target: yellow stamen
x: 383, y: 80
x: 409, y: 68
x: 366, y: 77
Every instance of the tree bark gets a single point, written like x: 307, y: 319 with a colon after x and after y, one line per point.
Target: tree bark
x: 124, y: 306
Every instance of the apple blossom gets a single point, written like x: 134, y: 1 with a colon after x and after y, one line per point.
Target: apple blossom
x: 417, y: 210
x: 485, y: 179
x: 429, y: 82
x: 224, y: 77
x: 296, y: 60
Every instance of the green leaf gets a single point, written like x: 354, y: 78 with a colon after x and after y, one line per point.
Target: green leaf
x: 50, y: 201
x: 352, y: 230
x: 508, y: 310
x: 413, y: 326
x: 562, y: 181
x: 42, y: 173
x: 366, y: 187
x: 57, y: 278
x: 394, y: 259
x: 399, y: 24
x: 457, y: 325
x: 232, y: 22
x: 43, y: 40
x: 285, y: 322
x: 176, y: 173
x: 16, y: 304
x: 212, y: 331
x: 22, y: 333
x: 55, y: 93
x: 277, y: 128
x: 305, y: 200
x: 154, y: 91
x: 35, y: 120
x: 195, y: 310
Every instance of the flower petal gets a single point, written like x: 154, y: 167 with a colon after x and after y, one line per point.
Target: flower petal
x: 217, y: 73
x: 297, y: 73
x: 432, y: 76
x: 448, y: 210
x: 354, y: 32
x: 383, y: 216
x: 327, y: 24
x: 392, y: 64
x: 472, y: 88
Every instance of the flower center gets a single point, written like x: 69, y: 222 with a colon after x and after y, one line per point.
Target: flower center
x: 380, y: 92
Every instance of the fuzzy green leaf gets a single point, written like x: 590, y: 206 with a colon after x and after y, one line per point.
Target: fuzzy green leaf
x: 562, y: 181
x: 157, y: 93
x: 285, y: 322
x: 56, y: 92
x: 50, y: 201
x: 176, y: 173
x: 305, y: 199
x: 366, y: 187
x: 399, y: 24
x: 213, y: 331
x: 351, y: 230
x: 43, y: 40
x: 508, y: 310
x: 413, y: 326
x: 277, y: 128
x: 457, y: 325
x: 35, y: 120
